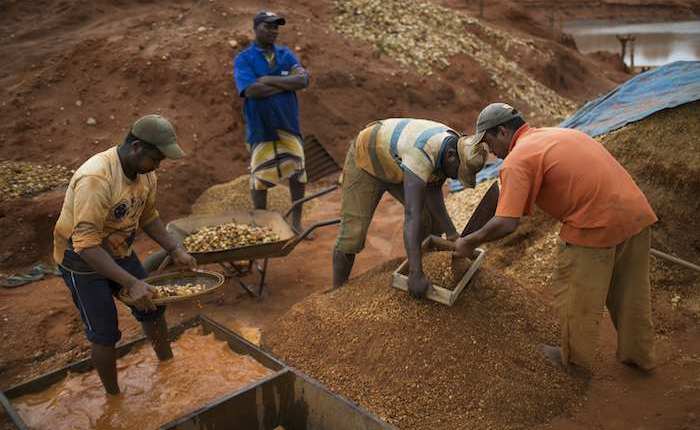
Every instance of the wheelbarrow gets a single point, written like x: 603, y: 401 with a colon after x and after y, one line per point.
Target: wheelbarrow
x: 230, y: 259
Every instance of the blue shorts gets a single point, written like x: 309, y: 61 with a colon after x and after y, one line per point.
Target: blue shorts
x: 93, y: 295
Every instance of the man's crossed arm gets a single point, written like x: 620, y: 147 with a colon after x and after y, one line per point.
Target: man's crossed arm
x: 267, y: 86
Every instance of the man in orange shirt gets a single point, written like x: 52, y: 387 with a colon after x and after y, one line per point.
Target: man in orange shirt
x: 606, y: 219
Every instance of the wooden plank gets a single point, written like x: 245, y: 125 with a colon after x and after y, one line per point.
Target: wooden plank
x: 437, y: 293
x: 485, y: 210
x: 468, y: 276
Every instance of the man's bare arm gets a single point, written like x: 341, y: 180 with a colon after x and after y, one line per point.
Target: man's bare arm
x: 104, y: 264
x: 298, y: 80
x: 435, y: 203
x: 156, y: 231
x: 259, y: 90
x: 498, y: 227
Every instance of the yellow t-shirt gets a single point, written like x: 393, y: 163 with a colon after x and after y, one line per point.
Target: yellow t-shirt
x: 104, y: 207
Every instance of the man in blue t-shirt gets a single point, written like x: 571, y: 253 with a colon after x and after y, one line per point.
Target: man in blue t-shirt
x: 268, y: 75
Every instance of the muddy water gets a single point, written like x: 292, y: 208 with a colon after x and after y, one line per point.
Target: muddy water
x: 153, y: 393
x: 656, y: 44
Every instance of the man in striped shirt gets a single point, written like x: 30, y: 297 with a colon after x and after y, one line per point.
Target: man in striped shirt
x: 411, y: 159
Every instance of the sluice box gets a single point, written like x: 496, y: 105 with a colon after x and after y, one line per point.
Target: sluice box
x: 285, y: 399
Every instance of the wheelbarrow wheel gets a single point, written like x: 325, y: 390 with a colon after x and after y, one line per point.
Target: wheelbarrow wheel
x: 154, y: 261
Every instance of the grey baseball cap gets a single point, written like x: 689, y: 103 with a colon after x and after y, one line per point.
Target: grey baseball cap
x: 493, y: 115
x: 159, y: 132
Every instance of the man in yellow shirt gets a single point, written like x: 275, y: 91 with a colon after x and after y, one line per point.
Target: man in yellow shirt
x: 109, y: 197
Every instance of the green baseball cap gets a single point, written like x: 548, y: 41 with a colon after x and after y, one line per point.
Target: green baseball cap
x: 493, y: 115
x: 159, y: 132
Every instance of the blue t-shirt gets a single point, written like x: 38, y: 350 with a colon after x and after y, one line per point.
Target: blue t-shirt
x: 265, y: 116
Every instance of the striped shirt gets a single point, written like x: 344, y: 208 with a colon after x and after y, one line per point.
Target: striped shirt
x: 385, y: 148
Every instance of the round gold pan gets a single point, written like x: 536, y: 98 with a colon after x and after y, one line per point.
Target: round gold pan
x: 212, y: 280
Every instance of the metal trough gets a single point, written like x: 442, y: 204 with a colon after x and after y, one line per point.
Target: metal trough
x: 291, y: 400
x: 285, y: 398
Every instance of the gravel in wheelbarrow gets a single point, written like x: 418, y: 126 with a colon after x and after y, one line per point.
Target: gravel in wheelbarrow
x: 180, y: 286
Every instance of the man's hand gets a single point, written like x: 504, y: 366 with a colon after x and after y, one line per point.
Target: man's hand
x: 435, y: 203
x: 498, y: 227
x: 418, y: 284
x: 298, y: 80
x: 464, y: 248
x: 140, y: 295
x: 182, y: 258
x: 453, y: 237
x: 266, y: 80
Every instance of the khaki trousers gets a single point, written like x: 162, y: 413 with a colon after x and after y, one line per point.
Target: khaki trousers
x: 617, y: 277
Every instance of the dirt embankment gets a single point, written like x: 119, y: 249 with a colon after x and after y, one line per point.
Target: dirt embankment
x: 662, y: 153
x: 626, y: 10
x: 70, y: 61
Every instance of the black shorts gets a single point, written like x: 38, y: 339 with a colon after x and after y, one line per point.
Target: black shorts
x: 93, y: 295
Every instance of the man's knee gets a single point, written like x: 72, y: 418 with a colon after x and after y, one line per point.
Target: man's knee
x: 351, y: 239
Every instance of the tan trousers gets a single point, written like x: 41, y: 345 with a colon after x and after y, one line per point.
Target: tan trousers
x: 618, y: 277
x: 360, y: 195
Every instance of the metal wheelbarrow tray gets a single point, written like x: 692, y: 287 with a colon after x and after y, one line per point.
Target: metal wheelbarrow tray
x: 289, y: 239
x: 285, y: 398
x: 262, y: 218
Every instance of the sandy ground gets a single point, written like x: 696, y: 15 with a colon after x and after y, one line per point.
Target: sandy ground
x: 123, y: 59
x: 618, y: 398
x: 115, y: 62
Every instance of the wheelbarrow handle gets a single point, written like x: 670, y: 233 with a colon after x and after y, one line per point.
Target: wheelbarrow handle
x: 165, y: 263
x: 294, y: 242
x: 311, y: 197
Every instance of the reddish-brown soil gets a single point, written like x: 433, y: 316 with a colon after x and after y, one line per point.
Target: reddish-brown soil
x: 122, y: 59
x: 628, y: 10
x: 422, y: 365
x: 52, y: 332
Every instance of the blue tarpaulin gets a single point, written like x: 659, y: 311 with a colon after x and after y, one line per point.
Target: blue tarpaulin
x: 668, y: 86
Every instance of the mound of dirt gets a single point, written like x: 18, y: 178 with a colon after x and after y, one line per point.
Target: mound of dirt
x: 426, y: 35
x: 629, y: 10
x: 422, y: 365
x: 235, y: 195
x: 614, y: 60
x: 19, y: 179
x: 461, y: 205
x: 662, y: 153
x: 26, y: 228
